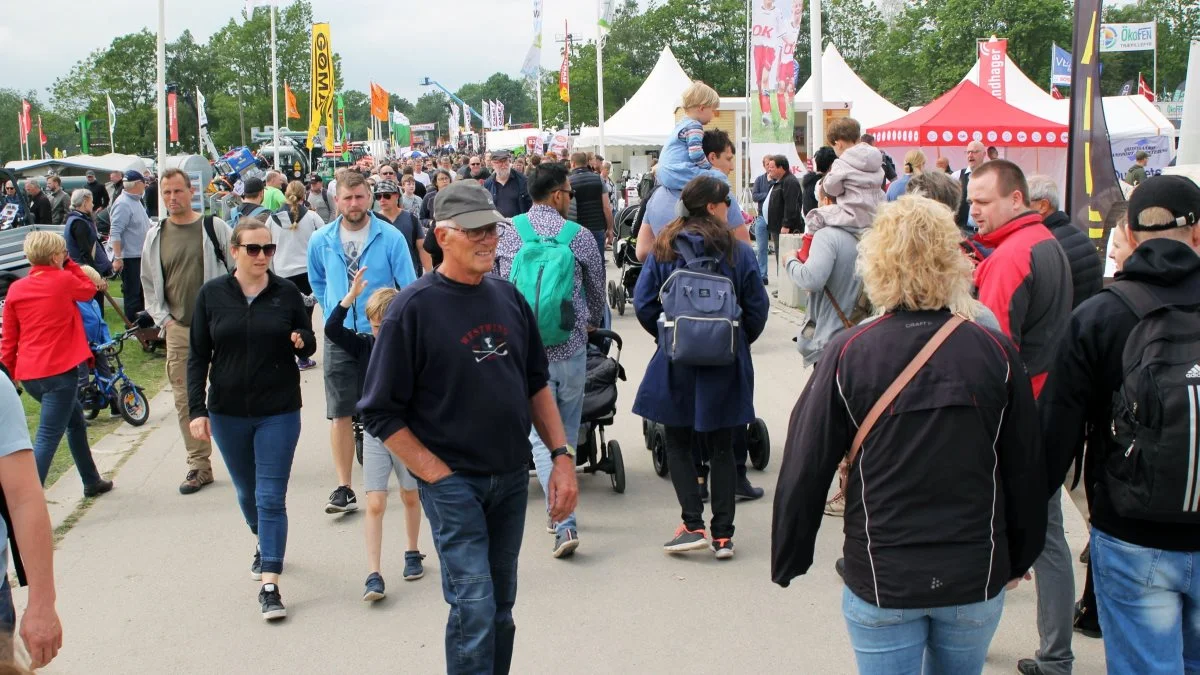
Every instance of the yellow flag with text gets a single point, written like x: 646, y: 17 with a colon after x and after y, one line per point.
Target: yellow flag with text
x: 321, y: 99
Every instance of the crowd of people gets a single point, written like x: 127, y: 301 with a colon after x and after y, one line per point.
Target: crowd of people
x: 963, y: 357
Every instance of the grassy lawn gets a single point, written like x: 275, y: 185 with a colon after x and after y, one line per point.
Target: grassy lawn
x: 147, y: 370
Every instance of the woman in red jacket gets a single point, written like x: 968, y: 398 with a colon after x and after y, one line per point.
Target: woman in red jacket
x: 43, y: 346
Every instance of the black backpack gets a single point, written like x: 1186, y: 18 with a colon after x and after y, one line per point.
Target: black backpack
x: 1155, y: 475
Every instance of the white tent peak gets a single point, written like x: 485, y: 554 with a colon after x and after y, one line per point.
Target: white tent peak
x: 840, y: 84
x: 1019, y: 90
x: 648, y: 117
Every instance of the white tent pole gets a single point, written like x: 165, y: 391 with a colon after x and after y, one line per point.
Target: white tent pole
x: 1189, y: 126
x: 817, y: 137
x: 600, y: 81
x: 274, y: 90
x: 162, y: 89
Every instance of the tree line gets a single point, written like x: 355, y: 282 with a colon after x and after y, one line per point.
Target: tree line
x: 910, y: 51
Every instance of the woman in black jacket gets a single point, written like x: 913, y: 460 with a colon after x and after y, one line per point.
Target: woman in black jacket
x: 945, y: 500
x: 247, y: 331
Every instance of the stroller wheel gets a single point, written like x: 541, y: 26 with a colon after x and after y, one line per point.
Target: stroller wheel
x: 647, y: 426
x: 618, y: 467
x: 358, y: 447
x: 759, y: 440
x: 612, y: 294
x: 658, y: 451
x: 621, y: 296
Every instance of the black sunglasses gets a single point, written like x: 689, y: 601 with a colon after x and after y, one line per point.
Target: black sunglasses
x: 570, y: 193
x: 253, y: 250
x: 386, y: 195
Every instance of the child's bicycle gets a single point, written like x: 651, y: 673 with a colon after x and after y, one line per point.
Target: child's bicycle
x: 103, y: 390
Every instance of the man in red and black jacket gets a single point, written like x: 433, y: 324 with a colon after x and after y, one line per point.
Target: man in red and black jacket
x: 1026, y: 282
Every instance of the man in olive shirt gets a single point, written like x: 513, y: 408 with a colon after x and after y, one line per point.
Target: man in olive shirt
x: 178, y: 257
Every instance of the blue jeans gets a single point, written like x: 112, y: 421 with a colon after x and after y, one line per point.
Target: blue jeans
x: 952, y: 640
x: 477, y: 523
x: 8, y: 615
x: 61, y: 412
x: 258, y: 452
x: 761, y: 241
x: 566, y: 383
x: 1149, y: 603
x: 601, y: 239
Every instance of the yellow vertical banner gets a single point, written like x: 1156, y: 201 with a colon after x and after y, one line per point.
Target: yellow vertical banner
x: 321, y: 101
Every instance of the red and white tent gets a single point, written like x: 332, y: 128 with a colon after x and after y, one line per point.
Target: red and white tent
x: 968, y: 113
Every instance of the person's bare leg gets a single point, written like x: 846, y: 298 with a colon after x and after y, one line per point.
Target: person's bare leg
x: 412, y: 517
x: 341, y: 439
x: 376, y: 506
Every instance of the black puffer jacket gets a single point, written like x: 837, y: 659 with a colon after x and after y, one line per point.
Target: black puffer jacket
x: 946, y: 501
x: 1087, y: 270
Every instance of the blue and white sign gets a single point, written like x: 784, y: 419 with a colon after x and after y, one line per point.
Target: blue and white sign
x: 1060, y: 66
x: 1127, y: 37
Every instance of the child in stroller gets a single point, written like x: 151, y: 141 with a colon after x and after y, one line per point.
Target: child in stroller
x: 619, y: 292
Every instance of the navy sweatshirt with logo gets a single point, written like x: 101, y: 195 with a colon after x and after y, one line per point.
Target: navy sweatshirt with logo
x: 457, y: 364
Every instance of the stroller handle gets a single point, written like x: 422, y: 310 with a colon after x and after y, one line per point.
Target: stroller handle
x: 598, y: 336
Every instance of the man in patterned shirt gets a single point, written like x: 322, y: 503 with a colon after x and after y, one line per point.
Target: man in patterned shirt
x: 551, y: 192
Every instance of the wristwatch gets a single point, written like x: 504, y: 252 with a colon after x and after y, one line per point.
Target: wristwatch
x: 559, y: 452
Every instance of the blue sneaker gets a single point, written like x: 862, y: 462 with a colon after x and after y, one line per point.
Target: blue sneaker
x: 565, y: 543
x: 413, y: 569
x: 374, y: 588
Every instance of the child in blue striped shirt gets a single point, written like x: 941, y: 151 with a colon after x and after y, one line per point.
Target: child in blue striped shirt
x: 682, y: 157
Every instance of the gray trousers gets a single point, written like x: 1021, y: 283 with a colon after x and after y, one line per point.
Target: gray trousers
x: 1055, y: 582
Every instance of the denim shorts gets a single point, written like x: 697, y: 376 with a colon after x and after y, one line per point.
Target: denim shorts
x: 378, y: 465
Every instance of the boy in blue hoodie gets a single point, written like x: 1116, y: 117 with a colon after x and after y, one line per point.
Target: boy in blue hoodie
x: 378, y: 462
x: 96, y: 329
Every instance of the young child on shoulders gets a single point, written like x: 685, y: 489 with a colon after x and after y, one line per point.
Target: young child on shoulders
x: 851, y: 191
x: 682, y: 157
x: 377, y: 461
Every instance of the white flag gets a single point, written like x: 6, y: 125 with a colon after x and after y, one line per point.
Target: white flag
x: 201, y: 116
x: 112, y: 116
x: 532, y: 66
x: 487, y: 114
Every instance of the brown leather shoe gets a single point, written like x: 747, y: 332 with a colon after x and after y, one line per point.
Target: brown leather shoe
x: 196, y: 479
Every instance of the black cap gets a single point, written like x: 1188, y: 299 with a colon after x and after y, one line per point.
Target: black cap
x: 501, y: 154
x: 1178, y: 194
x: 314, y: 177
x: 253, y: 186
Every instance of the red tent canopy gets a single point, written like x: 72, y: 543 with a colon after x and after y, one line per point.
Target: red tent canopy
x: 968, y: 113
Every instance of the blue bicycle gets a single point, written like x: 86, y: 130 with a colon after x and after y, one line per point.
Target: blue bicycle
x: 109, y: 385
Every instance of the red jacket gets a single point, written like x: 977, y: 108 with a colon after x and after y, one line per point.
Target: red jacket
x: 43, y: 332
x: 1026, y: 282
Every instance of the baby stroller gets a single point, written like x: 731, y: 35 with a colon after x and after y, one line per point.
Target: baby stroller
x: 624, y: 254
x: 595, y: 454
x: 758, y: 440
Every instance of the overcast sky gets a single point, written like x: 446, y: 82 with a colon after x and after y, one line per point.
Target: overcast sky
x: 452, y: 41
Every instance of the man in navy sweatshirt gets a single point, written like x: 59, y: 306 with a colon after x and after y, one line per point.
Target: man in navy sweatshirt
x: 453, y: 395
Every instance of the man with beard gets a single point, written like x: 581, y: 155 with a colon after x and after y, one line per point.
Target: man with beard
x: 355, y: 239
x: 509, y: 190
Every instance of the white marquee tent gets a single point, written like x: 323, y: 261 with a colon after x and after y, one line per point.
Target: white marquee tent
x: 842, y: 87
x: 1020, y: 91
x: 648, y: 117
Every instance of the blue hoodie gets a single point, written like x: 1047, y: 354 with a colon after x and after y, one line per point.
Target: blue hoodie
x: 386, y: 257
x: 702, y: 398
x: 93, y: 323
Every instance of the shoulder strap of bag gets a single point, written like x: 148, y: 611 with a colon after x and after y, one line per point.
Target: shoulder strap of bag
x: 1137, y: 297
x: 524, y: 228
x: 901, y: 382
x: 567, y: 233
x: 211, y: 231
x: 691, y: 260
x: 838, y: 308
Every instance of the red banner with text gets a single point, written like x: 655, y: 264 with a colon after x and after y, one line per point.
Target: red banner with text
x: 993, y: 56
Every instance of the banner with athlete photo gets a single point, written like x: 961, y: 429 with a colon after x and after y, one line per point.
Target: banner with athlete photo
x: 774, y: 29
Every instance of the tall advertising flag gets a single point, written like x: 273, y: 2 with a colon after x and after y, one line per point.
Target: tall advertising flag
x: 533, y: 58
x: 379, y: 103
x: 321, y: 100
x: 112, y: 116
x: 774, y: 31
x: 83, y: 124
x: 487, y: 114
x: 173, y: 116
x: 27, y: 119
x: 41, y: 136
x: 1060, y: 66
x: 289, y: 97
x: 341, y: 138
x: 1093, y: 188
x: 564, y: 76
x: 201, y: 116
x: 401, y: 129
x: 993, y: 54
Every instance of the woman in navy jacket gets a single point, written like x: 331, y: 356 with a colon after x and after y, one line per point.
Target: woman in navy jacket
x: 701, y: 405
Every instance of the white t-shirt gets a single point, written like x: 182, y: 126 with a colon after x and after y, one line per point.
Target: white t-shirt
x: 769, y: 24
x: 353, y: 243
x: 422, y: 177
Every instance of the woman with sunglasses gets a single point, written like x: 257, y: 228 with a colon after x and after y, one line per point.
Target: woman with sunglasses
x: 701, y: 406
x: 247, y: 331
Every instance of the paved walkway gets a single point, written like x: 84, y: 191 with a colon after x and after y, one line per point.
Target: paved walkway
x: 150, y: 581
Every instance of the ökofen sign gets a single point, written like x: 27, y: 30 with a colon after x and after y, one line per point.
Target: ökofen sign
x: 1127, y: 37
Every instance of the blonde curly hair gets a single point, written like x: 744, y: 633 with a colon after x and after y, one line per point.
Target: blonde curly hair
x: 910, y: 259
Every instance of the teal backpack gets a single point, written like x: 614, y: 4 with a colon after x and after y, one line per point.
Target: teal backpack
x: 544, y: 272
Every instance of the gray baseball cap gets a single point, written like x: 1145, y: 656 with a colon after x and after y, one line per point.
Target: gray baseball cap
x: 386, y: 187
x: 467, y: 204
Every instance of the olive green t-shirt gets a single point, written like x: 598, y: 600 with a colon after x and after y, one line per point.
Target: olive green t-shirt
x: 181, y: 248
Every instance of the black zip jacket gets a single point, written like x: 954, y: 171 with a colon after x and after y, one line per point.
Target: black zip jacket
x: 358, y: 345
x: 1076, y: 404
x: 245, y: 350
x: 1087, y: 270
x: 946, y: 502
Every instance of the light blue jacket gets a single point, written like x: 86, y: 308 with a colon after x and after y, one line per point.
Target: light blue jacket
x: 386, y: 257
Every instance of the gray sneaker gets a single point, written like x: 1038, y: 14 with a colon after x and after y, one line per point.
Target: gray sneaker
x: 686, y: 540
x: 565, y: 543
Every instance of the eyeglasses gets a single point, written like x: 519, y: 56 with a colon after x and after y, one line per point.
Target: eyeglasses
x: 570, y: 193
x: 253, y: 250
x: 479, y: 234
x: 474, y: 163
x: 387, y: 173
x: 386, y: 195
x: 728, y: 200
